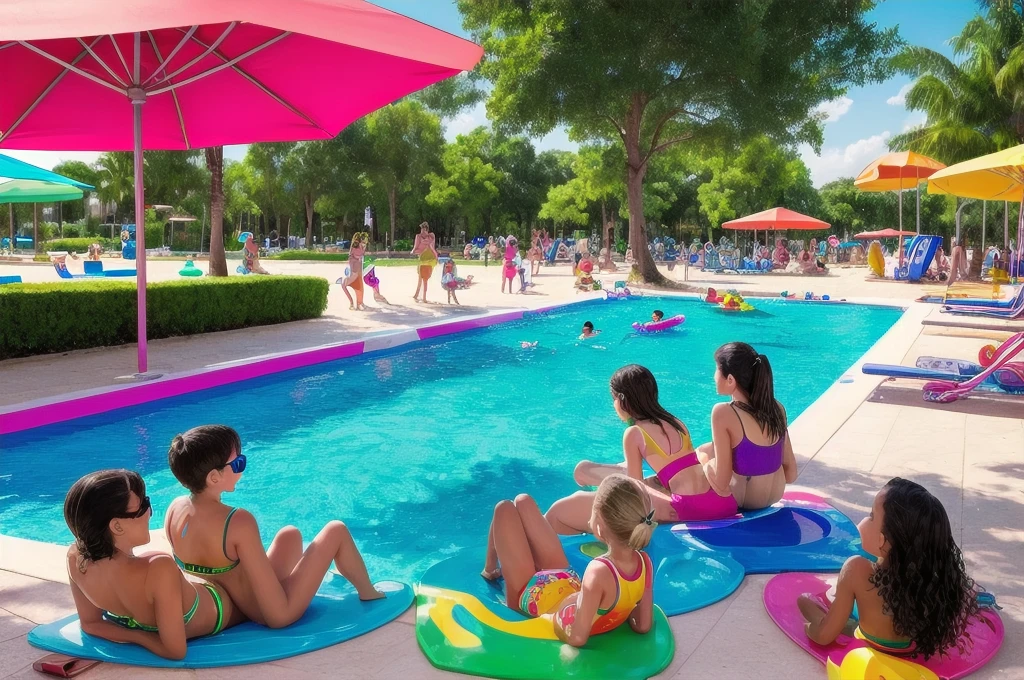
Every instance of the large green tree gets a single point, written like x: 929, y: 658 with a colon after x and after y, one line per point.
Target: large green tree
x: 405, y: 143
x: 81, y: 171
x: 650, y: 76
x: 269, y: 188
x: 115, y: 180
x: 467, y: 185
x: 308, y: 170
x: 215, y: 164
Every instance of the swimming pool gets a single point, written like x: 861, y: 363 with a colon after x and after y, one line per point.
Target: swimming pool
x: 413, y: 447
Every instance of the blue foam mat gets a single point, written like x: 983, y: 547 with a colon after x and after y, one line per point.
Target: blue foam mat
x: 335, y: 615
x: 795, y: 535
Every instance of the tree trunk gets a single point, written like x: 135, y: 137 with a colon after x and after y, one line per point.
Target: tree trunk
x: 308, y: 202
x: 393, y: 209
x: 636, y: 169
x: 215, y: 164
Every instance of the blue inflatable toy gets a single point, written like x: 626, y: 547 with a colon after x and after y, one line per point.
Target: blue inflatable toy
x: 335, y: 615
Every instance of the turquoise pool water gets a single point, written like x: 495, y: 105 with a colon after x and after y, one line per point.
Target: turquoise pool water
x: 412, y: 448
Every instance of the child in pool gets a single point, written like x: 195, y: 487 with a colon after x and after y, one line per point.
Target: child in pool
x: 588, y: 331
x: 902, y: 607
x: 616, y: 587
x: 657, y: 315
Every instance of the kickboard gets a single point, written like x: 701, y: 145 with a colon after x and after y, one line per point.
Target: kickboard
x: 780, y: 601
x: 463, y: 625
x: 802, y: 532
x: 335, y: 615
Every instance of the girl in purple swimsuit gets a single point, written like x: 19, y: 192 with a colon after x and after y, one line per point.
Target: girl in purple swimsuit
x: 750, y: 454
x: 680, y: 492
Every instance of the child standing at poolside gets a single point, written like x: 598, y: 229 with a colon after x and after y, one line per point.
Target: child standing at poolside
x: 449, y: 282
x: 917, y: 597
x: 616, y: 588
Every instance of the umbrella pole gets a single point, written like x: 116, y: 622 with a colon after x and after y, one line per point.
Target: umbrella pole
x: 984, y: 207
x: 899, y: 241
x: 917, y: 192
x: 138, y: 97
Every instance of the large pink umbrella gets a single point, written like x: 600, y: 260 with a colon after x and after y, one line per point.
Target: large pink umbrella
x: 83, y: 75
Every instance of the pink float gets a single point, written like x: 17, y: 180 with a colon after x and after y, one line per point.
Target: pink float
x: 658, y: 326
x: 780, y: 600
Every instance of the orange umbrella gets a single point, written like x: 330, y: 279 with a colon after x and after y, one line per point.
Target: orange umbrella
x: 776, y: 218
x: 898, y: 171
x: 883, y: 233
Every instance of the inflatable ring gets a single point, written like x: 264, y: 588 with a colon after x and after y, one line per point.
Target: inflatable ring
x: 986, y: 355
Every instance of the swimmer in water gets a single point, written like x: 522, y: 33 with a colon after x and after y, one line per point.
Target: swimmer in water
x: 588, y: 331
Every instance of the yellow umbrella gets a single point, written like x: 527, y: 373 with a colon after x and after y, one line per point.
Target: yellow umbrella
x: 898, y: 171
x: 998, y: 176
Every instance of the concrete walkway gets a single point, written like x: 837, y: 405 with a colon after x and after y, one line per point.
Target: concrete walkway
x: 850, y: 442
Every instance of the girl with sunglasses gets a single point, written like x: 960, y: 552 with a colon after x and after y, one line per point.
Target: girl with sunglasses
x: 273, y: 587
x: 144, y: 599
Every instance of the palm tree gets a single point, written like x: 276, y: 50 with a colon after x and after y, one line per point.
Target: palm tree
x: 973, y: 106
x: 115, y: 178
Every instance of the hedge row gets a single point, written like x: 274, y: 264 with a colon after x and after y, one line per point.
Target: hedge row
x: 81, y: 245
x: 302, y: 254
x: 39, y: 318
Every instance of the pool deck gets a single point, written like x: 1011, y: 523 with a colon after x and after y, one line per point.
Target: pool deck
x: 855, y: 437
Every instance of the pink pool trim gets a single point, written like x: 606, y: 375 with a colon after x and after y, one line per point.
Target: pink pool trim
x: 20, y: 417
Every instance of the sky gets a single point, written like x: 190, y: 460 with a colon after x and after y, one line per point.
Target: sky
x: 857, y: 128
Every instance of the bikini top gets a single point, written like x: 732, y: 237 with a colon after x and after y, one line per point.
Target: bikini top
x: 629, y: 591
x: 209, y: 571
x: 752, y: 460
x: 676, y: 466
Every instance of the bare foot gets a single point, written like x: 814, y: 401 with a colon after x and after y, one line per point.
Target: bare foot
x: 373, y: 594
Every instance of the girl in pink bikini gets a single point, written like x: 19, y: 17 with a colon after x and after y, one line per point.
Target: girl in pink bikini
x: 681, y: 492
x: 750, y: 454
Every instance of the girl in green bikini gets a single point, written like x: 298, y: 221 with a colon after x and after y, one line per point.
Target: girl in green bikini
x: 916, y: 598
x: 271, y: 586
x: 144, y: 599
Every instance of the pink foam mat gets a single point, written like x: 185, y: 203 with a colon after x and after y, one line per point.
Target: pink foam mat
x: 780, y: 600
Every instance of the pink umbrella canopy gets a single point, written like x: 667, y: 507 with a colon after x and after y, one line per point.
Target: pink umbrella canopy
x: 212, y: 72
x: 86, y: 75
x: 776, y: 218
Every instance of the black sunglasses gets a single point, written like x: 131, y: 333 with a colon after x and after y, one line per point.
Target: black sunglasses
x: 144, y: 507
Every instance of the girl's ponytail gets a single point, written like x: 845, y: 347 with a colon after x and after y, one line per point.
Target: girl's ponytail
x: 627, y: 511
x: 753, y: 374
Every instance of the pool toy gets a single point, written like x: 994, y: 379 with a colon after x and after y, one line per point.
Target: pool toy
x: 986, y: 355
x: 658, y: 326
x: 876, y: 260
x: 464, y: 625
x: 93, y: 269
x: 620, y: 292
x: 335, y: 615
x: 786, y: 295
x: 713, y: 296
x: 251, y: 253
x: 190, y: 269
x: 801, y: 532
x: 920, y: 253
x: 986, y: 634
x: 734, y: 302
x: 1009, y: 378
x: 946, y: 391
x: 128, y: 242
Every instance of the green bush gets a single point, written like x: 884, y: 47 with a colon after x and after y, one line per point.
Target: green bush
x: 71, y: 231
x: 299, y: 254
x: 39, y: 318
x: 81, y: 245
x: 403, y: 244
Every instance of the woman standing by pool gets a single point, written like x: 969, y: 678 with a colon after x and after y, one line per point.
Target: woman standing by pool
x: 750, y: 454
x: 273, y: 587
x: 424, y: 247
x: 121, y: 597
x: 681, y: 491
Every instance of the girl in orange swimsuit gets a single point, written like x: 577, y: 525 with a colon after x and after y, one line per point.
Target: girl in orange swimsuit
x: 616, y: 587
x: 681, y: 491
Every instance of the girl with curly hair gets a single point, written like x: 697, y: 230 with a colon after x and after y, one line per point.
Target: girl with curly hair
x: 917, y: 598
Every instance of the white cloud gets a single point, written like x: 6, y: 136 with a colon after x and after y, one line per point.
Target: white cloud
x: 48, y: 159
x: 834, y: 109
x: 900, y: 98
x: 467, y: 121
x: 836, y: 162
x: 914, y: 120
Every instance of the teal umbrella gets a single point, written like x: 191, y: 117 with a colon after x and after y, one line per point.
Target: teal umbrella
x: 11, y: 168
x: 33, y: 191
